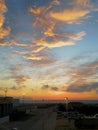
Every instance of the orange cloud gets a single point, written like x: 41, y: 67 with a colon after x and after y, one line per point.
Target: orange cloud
x: 3, y: 7
x: 69, y: 16
x: 2, y: 19
x: 49, y: 31
x: 40, y: 60
x: 54, y: 43
x: 10, y: 42
x: 41, y: 15
x: 57, y: 42
x: 18, y: 43
x: 49, y: 36
x: 35, y: 11
x: 3, y: 31
x: 35, y: 48
x: 32, y: 54
x: 35, y: 57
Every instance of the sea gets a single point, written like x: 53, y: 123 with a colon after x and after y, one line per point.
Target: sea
x: 85, y: 101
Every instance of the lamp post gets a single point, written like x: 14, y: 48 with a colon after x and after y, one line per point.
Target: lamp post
x: 66, y: 99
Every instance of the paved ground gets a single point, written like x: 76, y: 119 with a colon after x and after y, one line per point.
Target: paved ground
x: 45, y: 120
x: 64, y: 124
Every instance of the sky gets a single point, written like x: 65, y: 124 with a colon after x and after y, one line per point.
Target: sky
x: 49, y: 49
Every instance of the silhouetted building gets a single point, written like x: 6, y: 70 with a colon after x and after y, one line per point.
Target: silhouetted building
x: 6, y: 106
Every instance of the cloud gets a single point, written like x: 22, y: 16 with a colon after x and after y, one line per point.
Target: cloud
x: 47, y: 29
x: 69, y: 16
x: 5, y: 43
x: 79, y: 70
x: 17, y: 76
x: 31, y: 51
x: 43, y: 62
x: 84, y: 71
x: 54, y: 88
x: 78, y: 74
x: 48, y: 33
x: 35, y: 56
x: 2, y: 19
x: 59, y: 40
x: 83, y: 77
x: 45, y: 87
x: 76, y: 36
x: 3, y: 7
x: 54, y: 43
x: 36, y: 11
x: 82, y: 87
x: 17, y: 87
x: 12, y: 42
x: 87, y: 4
x: 14, y: 88
x: 36, y: 49
x: 40, y: 59
x: 3, y: 31
x: 20, y: 79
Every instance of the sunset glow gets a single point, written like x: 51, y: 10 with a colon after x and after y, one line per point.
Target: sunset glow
x: 49, y: 49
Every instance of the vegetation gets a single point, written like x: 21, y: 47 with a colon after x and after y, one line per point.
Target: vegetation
x: 87, y: 109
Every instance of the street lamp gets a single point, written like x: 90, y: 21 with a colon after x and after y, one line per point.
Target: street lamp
x: 66, y: 99
x: 23, y: 98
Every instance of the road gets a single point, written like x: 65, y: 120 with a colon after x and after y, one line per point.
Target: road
x: 44, y: 120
